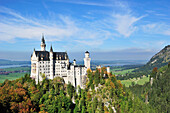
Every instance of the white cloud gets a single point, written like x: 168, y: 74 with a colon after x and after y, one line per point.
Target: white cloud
x: 167, y: 32
x: 157, y: 28
x: 81, y: 2
x: 149, y: 26
x: 123, y: 21
x: 24, y: 27
x: 63, y: 29
x: 13, y: 30
x: 125, y: 24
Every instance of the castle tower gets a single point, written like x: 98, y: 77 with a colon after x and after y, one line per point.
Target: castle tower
x: 87, y: 60
x: 74, y: 62
x: 108, y: 69
x: 43, y: 45
x: 51, y: 63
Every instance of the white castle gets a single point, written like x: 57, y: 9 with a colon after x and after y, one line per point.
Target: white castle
x: 56, y: 64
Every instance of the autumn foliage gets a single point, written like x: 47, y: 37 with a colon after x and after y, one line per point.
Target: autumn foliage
x: 103, y: 93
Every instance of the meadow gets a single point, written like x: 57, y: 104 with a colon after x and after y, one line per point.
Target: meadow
x: 17, y: 69
x: 139, y: 81
x: 123, y: 71
x: 13, y: 76
x: 119, y: 71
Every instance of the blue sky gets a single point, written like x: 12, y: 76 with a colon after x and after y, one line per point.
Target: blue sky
x: 100, y: 26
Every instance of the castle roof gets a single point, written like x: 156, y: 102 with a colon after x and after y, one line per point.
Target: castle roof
x: 79, y: 66
x: 74, y: 65
x: 44, y: 55
x: 60, y: 55
x: 86, y: 52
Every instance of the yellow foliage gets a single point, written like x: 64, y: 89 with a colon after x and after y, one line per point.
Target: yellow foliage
x: 105, y: 109
x: 112, y: 84
x: 88, y: 96
x: 89, y: 70
x: 43, y: 111
x: 120, y: 84
x: 50, y: 96
x: 42, y: 105
x: 103, y: 68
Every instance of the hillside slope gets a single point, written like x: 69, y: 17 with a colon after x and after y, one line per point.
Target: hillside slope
x: 158, y: 60
x: 157, y: 94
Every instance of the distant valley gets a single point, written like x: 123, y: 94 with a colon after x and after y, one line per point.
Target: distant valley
x: 4, y: 62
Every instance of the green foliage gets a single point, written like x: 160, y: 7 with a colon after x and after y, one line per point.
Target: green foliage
x: 103, y: 93
x: 70, y: 90
x: 49, y: 96
x: 157, y: 93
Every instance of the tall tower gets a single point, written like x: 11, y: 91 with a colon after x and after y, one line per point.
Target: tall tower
x: 43, y: 45
x: 51, y: 63
x: 87, y: 60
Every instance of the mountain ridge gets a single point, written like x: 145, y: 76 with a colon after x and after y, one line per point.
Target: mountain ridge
x: 160, y: 59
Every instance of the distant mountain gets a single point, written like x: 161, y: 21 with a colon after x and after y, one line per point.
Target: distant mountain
x: 158, y: 60
x: 4, y: 62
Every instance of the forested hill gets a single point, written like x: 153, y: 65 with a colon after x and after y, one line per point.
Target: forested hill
x: 158, y: 60
x: 157, y: 92
x: 102, y: 94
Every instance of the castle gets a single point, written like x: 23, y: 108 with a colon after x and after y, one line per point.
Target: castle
x: 57, y: 64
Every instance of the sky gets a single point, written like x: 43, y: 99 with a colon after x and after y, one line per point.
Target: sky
x: 108, y: 29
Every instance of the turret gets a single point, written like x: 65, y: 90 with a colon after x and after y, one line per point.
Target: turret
x: 87, y: 54
x: 43, y: 45
x: 74, y: 62
x: 108, y: 69
x: 51, y: 63
x: 87, y: 59
x: 51, y: 49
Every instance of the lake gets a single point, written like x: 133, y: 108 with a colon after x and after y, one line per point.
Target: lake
x: 9, y: 66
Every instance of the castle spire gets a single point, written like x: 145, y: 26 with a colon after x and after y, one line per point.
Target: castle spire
x: 43, y: 40
x: 51, y: 49
x: 43, y: 45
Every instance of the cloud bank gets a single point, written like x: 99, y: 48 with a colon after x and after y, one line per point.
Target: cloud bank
x: 66, y: 28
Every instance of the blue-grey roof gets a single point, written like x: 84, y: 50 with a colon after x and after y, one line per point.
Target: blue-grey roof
x: 44, y: 55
